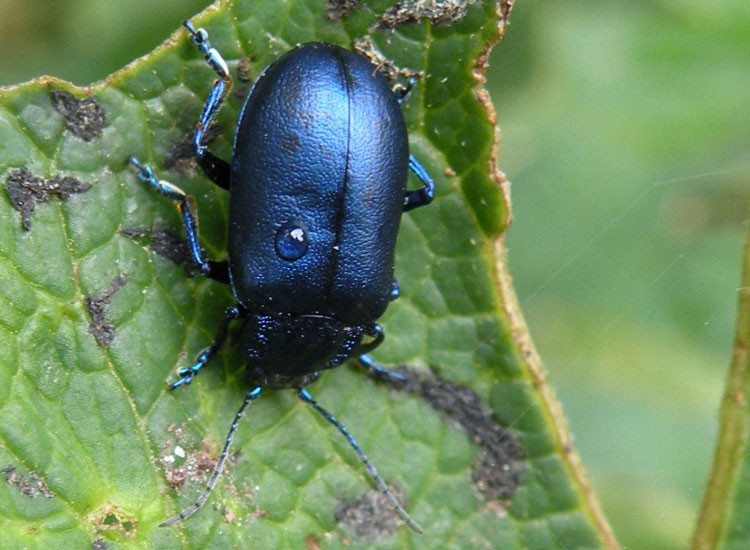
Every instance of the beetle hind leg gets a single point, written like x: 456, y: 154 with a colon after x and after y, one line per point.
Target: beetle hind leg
x: 219, y: 271
x: 423, y: 196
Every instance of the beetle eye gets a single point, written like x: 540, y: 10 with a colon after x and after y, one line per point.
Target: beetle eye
x: 292, y: 241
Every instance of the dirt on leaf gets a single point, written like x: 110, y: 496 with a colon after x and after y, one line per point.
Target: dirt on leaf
x: 85, y: 118
x: 26, y: 190
x: 100, y: 327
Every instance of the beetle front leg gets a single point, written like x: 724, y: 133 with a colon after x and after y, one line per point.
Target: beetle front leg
x: 419, y: 197
x: 373, y: 369
x: 367, y: 362
x: 216, y: 169
x: 187, y: 374
x: 378, y: 371
x: 219, y: 271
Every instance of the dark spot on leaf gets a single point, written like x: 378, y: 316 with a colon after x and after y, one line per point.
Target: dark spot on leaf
x: 336, y: 9
x: 166, y: 243
x: 25, y: 190
x: 243, y: 68
x: 495, y: 476
x: 371, y: 514
x: 32, y: 487
x: 243, y: 76
x: 240, y: 92
x: 439, y: 12
x: 100, y: 327
x: 229, y: 515
x: 312, y: 542
x: 179, y: 158
x: 497, y: 472
x: 99, y: 544
x: 111, y: 518
x: 84, y: 117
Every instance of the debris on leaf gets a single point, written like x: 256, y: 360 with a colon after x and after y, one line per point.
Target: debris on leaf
x: 32, y: 488
x: 166, y: 243
x: 243, y: 68
x: 497, y: 472
x: 439, y: 12
x: 85, y: 118
x: 193, y: 466
x: 371, y: 514
x: 336, y: 9
x: 367, y: 47
x: 100, y: 327
x: 25, y: 190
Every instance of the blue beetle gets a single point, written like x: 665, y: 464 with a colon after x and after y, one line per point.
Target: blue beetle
x: 317, y: 183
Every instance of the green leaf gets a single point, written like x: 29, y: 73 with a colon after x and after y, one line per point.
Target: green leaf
x: 95, y: 317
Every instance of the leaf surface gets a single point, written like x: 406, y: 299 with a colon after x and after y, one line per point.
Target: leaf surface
x: 94, y: 320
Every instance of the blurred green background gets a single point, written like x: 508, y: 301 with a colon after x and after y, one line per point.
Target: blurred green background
x: 624, y: 131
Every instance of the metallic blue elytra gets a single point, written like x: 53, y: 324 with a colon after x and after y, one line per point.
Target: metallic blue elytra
x: 321, y: 139
x: 317, y: 183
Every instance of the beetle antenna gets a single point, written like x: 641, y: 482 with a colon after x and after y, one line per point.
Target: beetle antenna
x: 190, y: 510
x: 305, y: 396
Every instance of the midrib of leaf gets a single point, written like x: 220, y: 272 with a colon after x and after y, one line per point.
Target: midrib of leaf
x: 140, y: 421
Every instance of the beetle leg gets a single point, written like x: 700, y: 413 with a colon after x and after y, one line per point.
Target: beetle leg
x: 367, y: 362
x: 252, y: 394
x: 305, y: 396
x: 216, y: 169
x: 188, y: 373
x: 376, y: 331
x: 395, y: 291
x: 219, y: 271
x: 423, y: 196
x: 401, y: 91
x: 380, y: 372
